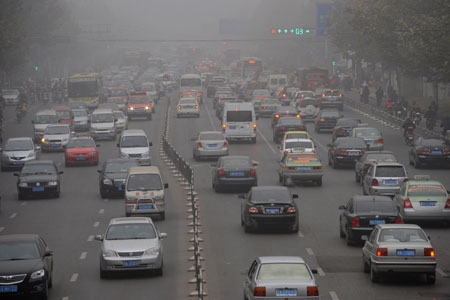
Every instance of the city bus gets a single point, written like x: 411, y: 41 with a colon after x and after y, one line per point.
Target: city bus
x: 85, y: 87
x: 251, y: 67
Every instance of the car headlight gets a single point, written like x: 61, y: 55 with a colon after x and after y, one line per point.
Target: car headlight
x: 146, y: 154
x: 53, y: 183
x: 147, y: 108
x: 44, y: 140
x: 107, y: 181
x: 152, y: 251
x: 132, y: 199
x: 92, y: 153
x: 109, y: 253
x: 130, y: 108
x: 23, y: 184
x: 65, y: 140
x: 31, y: 155
x: 38, y: 274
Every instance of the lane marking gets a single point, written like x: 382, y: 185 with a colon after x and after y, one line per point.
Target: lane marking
x: 101, y: 211
x: 300, y: 234
x: 1, y: 229
x: 442, y: 273
x: 333, y: 295
x: 320, y: 145
x: 96, y: 224
x: 209, y: 116
x: 266, y: 141
x: 83, y: 255
x: 74, y: 277
x: 320, y: 271
x: 309, y: 250
x: 65, y: 298
x: 90, y: 238
x: 23, y: 203
x: 13, y: 216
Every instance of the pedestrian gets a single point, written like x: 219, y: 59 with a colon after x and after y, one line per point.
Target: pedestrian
x: 379, y: 94
x: 365, y: 93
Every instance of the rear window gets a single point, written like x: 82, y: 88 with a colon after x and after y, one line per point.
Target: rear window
x: 390, y: 171
x: 239, y: 116
x: 276, y: 195
x: 402, y: 235
x: 297, y: 136
x: 421, y: 190
x: 381, y: 157
x: 375, y: 206
x: 357, y: 143
x: 432, y: 142
x: 236, y: 163
x: 285, y: 271
x: 292, y: 145
x: 301, y: 158
x: 211, y: 136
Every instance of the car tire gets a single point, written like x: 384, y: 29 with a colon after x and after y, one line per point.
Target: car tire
x: 44, y: 294
x: 103, y: 274
x: 319, y: 182
x: 357, y: 177
x: 217, y: 188
x: 374, y: 276
x: 431, y: 277
x: 348, y: 241
x: 21, y: 196
x: 50, y: 280
x: 162, y: 216
x: 341, y: 232
x: 417, y: 164
x: 366, y: 266
x: 295, y: 228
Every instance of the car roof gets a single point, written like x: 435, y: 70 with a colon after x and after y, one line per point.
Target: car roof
x: 46, y: 112
x: 206, y: 132
x: 129, y: 132
x: 144, y: 170
x: 269, y: 188
x: 393, y: 226
x: 18, y: 237
x: 372, y: 198
x: 128, y: 220
x: 281, y: 259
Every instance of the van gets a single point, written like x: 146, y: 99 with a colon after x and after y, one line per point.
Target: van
x: 134, y: 144
x: 277, y: 81
x: 42, y: 119
x: 144, y: 192
x: 239, y: 121
x: 102, y: 124
x: 190, y: 82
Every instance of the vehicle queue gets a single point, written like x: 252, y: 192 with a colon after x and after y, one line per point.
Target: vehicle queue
x: 390, y: 198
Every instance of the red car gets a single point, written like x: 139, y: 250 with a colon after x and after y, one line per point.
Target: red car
x: 81, y: 150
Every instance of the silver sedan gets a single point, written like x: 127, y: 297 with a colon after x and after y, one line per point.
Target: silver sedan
x: 131, y: 244
x: 280, y: 277
x: 209, y: 144
x: 403, y: 248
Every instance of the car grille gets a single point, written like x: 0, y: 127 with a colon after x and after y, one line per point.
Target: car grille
x: 134, y: 155
x: 12, y: 279
x: 131, y: 254
x: 54, y: 141
x: 37, y: 183
x: 17, y: 158
x: 139, y: 109
x: 119, y: 181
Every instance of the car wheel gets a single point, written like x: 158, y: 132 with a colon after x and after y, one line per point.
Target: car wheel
x: 56, y: 195
x: 50, y: 280
x: 341, y: 232
x: 348, y: 241
x: 21, y: 196
x: 295, y: 228
x: 44, y: 293
x: 431, y: 278
x: 374, y: 276
x: 417, y: 164
x: 217, y: 188
x: 103, y: 274
x: 247, y: 228
x: 162, y: 216
x: 357, y: 177
x: 319, y: 182
x: 366, y: 266
x: 127, y: 214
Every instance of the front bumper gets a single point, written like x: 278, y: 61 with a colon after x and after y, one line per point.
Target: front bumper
x: 302, y: 176
x: 15, y: 164
x: 117, y: 263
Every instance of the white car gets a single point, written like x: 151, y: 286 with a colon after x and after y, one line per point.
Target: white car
x: 308, y: 109
x: 55, y: 137
x: 121, y: 121
x: 188, y: 107
x: 11, y: 96
x: 306, y: 145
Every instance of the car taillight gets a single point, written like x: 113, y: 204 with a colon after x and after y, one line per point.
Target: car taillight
x: 259, y: 291
x: 317, y: 167
x: 423, y: 151
x: 196, y: 106
x: 322, y: 120
x: 341, y: 152
x: 284, y: 96
x: 298, y: 116
x: 340, y: 95
x: 199, y: 144
x: 405, y: 180
x: 179, y: 106
x: 382, y: 252
x: 281, y: 128
x: 220, y: 172
x: 225, y: 144
x: 312, y: 291
x: 398, y: 220
x: 429, y: 252
x: 252, y: 172
x: 446, y: 151
x: 355, y: 222
x: 407, y: 203
x: 291, y: 210
x: 290, y: 168
x: 447, y: 204
x: 265, y: 107
x: 277, y: 116
x: 374, y: 182
x: 223, y: 127
x: 253, y: 210
x: 323, y: 95
x: 379, y: 141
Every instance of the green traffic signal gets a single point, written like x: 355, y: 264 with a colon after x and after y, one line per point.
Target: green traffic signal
x: 333, y: 62
x: 36, y: 68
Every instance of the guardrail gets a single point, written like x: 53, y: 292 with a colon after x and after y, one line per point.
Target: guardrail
x: 184, y: 173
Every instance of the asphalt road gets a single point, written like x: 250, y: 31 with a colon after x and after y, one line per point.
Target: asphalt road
x: 69, y: 224
x: 229, y: 251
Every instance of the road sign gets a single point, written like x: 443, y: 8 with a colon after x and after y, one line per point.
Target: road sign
x: 323, y: 9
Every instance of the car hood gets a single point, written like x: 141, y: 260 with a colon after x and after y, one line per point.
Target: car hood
x: 134, y: 150
x: 17, y: 153
x: 102, y: 125
x: 40, y: 178
x: 12, y: 267
x: 116, y: 175
x: 130, y: 245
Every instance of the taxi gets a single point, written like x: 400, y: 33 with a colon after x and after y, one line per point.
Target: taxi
x: 423, y: 199
x: 296, y: 135
x: 300, y: 165
x: 371, y: 135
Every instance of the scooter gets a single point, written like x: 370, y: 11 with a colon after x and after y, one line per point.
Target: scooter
x: 409, y: 137
x: 417, y: 117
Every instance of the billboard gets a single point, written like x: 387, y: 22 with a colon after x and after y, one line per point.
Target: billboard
x: 323, y: 9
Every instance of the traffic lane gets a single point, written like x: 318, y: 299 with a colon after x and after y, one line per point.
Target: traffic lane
x: 228, y: 250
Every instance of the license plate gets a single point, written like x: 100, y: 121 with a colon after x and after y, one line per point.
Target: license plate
x: 18, y: 162
x: 353, y: 153
x: 303, y: 168
x: 286, y: 292
x: 391, y: 182
x: 369, y: 142
x: 406, y: 252
x: 56, y: 145
x: 436, y: 152
x: 38, y: 189
x: 272, y: 210
x: 146, y: 206
x: 237, y: 173
x: 376, y: 222
x: 212, y: 146
x: 8, y: 289
x: 427, y: 203
x: 81, y: 157
x: 120, y: 188
x: 131, y: 263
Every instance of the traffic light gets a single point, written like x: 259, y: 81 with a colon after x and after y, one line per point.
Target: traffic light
x: 293, y: 31
x: 36, y: 68
x: 333, y: 62
x: 107, y: 46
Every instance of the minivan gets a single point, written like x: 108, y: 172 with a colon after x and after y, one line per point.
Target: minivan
x: 42, y: 119
x: 134, y: 144
x: 277, y: 81
x: 102, y: 124
x: 239, y: 121
x: 144, y: 192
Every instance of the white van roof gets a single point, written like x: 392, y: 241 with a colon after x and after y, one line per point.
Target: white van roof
x: 238, y: 106
x: 133, y: 132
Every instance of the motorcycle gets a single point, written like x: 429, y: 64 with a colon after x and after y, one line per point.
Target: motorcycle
x: 401, y: 112
x: 409, y: 136
x: 417, y: 117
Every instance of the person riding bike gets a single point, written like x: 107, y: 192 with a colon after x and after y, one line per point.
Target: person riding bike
x: 365, y: 93
x: 431, y: 115
x: 407, y: 124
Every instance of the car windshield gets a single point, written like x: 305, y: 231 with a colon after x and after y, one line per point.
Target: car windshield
x: 426, y: 190
x: 46, y: 119
x: 120, y: 167
x: 390, y: 171
x: 29, y: 169
x: 292, y: 145
x: 235, y: 162
x: 297, y: 136
x: 78, y: 143
x: 352, y: 143
x: 283, y: 271
x: 63, y: 114
x: 130, y: 232
x: 18, y: 145
x: 211, y: 136
x: 329, y: 114
x: 144, y: 182
x: 134, y: 141
x: 305, y: 103
x: 118, y: 93
x: 381, y: 157
x: 18, y: 251
x: 375, y: 207
x: 57, y: 130
x: 402, y: 235
x: 80, y: 113
x: 301, y: 158
x: 432, y: 143
x: 135, y: 100
x: 367, y: 132
x: 275, y: 195
x: 102, y: 118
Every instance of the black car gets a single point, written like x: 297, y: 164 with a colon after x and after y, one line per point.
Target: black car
x: 362, y: 213
x: 429, y: 151
x: 287, y: 124
x: 345, y: 151
x: 332, y: 98
x: 344, y: 127
x: 26, y: 266
x: 234, y: 172
x: 326, y: 119
x: 269, y: 206
x: 38, y: 178
x: 112, y: 176
x: 221, y: 104
x: 281, y: 112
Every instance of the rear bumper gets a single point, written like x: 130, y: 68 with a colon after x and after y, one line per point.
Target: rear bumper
x: 348, y: 160
x: 415, y: 267
x: 303, y: 176
x: 212, y: 153
x: 283, y: 220
x: 248, y: 181
x: 434, y: 159
x: 383, y: 191
x: 438, y: 215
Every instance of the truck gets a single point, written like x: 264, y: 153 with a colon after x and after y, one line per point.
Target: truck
x: 310, y: 79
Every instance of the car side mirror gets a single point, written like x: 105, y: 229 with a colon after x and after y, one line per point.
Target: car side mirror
x: 32, y: 121
x: 294, y: 196
x: 16, y: 174
x: 98, y: 238
x: 166, y: 185
x: 48, y: 253
x: 97, y: 146
x: 342, y: 207
x: 38, y: 148
x: 162, y: 235
x: 150, y: 144
x: 314, y: 271
x: 242, y: 196
x: 364, y: 238
x: 60, y: 172
x: 99, y: 171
